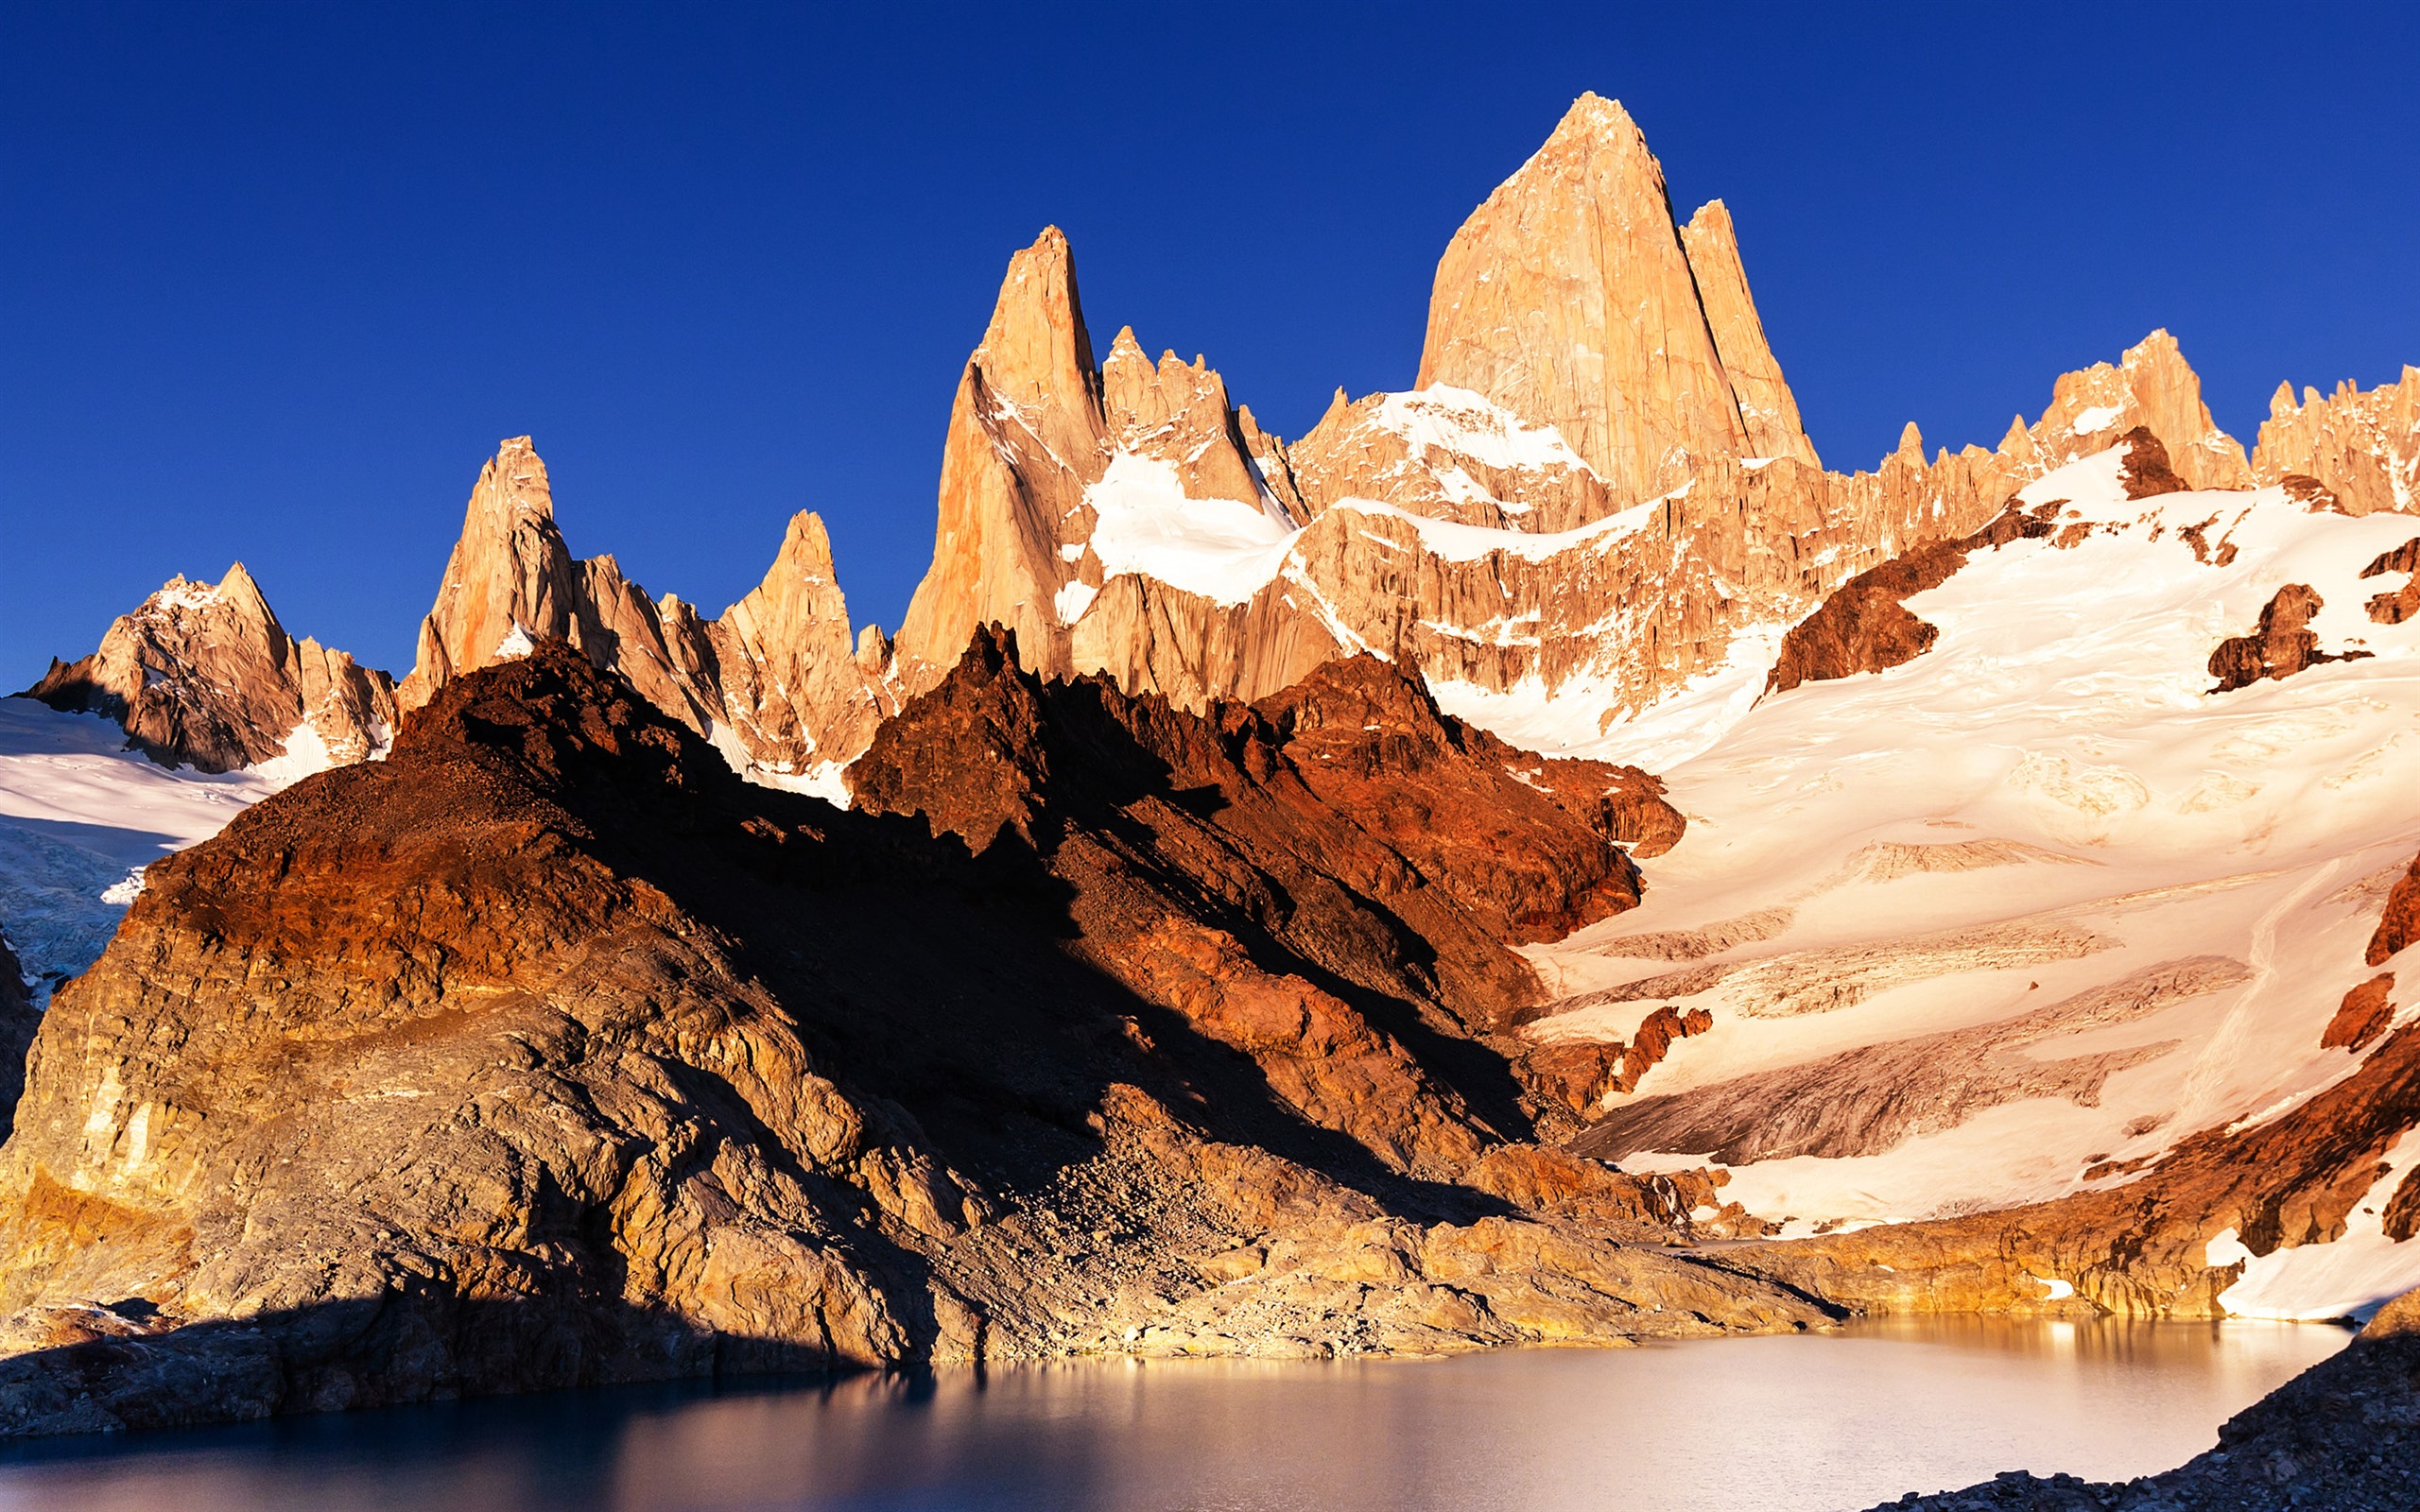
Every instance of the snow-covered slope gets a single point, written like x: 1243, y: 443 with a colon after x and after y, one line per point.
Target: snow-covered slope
x: 2122, y: 907
x: 80, y: 815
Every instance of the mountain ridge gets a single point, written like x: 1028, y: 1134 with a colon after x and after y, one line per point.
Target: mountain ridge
x: 1973, y: 882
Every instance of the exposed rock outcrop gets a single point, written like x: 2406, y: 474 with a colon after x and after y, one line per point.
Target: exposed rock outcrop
x: 1584, y: 1074
x: 2283, y: 646
x: 547, y: 1052
x: 2394, y: 607
x: 2365, y: 1014
x: 1866, y: 627
x: 2363, y: 446
x: 2399, y: 925
x: 202, y: 675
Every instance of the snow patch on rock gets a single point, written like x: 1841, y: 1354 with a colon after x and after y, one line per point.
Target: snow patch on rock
x: 1223, y: 549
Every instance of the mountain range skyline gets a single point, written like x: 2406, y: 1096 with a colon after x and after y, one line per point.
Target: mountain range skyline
x: 691, y: 417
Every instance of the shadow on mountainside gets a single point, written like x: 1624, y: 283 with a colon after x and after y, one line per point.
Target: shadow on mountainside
x: 548, y: 1052
x: 418, y: 1346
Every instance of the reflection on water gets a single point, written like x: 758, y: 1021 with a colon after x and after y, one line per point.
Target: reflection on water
x: 1833, y: 1421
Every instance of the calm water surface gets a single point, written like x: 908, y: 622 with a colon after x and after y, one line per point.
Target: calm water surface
x: 1830, y: 1422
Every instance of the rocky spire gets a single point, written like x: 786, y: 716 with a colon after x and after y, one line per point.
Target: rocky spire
x: 1767, y: 407
x: 1036, y: 354
x: 1568, y: 297
x: 792, y: 681
x: 510, y: 579
x: 1025, y: 438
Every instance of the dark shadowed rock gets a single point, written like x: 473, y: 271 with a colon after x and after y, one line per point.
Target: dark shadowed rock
x: 549, y: 1052
x: 18, y: 1020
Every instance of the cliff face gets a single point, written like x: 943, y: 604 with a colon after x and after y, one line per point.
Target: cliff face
x: 1034, y: 430
x: 2362, y: 447
x: 1569, y: 298
x: 774, y: 681
x: 202, y: 675
x: 555, y: 1055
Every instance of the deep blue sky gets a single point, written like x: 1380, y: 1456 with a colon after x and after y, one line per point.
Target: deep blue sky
x: 276, y: 277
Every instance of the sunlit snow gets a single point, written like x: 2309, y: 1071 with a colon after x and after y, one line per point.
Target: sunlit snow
x: 1223, y: 549
x: 80, y: 815
x: 2066, y: 708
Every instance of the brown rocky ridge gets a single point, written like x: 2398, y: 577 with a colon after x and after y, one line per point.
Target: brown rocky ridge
x: 546, y: 1052
x: 2283, y: 646
x: 202, y: 675
x: 2401, y: 604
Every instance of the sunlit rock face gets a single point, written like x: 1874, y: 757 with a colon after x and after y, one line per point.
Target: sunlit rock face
x: 2361, y: 446
x: 1570, y: 300
x: 202, y: 675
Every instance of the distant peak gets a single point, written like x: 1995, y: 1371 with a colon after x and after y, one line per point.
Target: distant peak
x: 1036, y: 349
x: 1593, y: 115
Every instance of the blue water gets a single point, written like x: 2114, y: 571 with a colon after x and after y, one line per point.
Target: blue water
x: 1832, y: 1422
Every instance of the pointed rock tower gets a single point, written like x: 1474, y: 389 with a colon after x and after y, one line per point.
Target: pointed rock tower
x: 796, y: 691
x: 1025, y: 438
x: 1569, y: 298
x: 510, y: 581
x: 777, y: 682
x: 1767, y: 410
